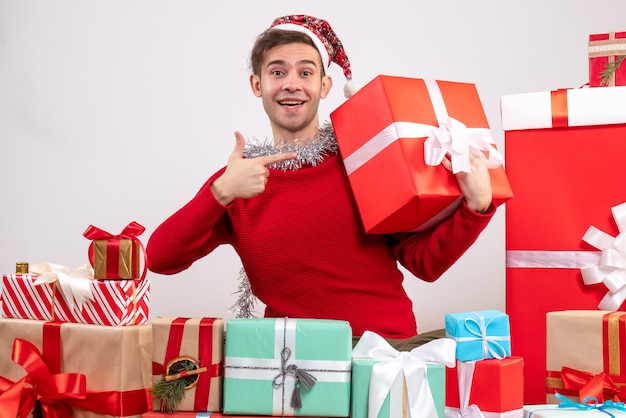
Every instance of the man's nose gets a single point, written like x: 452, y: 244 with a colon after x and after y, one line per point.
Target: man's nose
x: 292, y: 82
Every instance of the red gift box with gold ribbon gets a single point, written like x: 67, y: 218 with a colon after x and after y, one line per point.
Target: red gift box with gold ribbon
x: 564, y: 155
x: 607, y: 62
x: 586, y: 355
x: 74, y: 370
x: 197, y: 340
x: 116, y: 256
x: 393, y: 134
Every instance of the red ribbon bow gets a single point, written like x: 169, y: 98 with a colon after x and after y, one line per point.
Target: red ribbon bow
x: 51, y: 390
x: 592, y: 385
x: 131, y: 231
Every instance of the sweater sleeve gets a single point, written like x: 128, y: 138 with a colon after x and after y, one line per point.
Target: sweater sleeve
x: 430, y: 253
x: 190, y: 233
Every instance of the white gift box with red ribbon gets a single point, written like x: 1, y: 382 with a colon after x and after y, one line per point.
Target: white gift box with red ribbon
x: 564, y: 108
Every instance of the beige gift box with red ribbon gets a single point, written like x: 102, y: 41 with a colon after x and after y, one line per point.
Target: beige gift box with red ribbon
x: 112, y: 365
x: 202, y: 341
x: 586, y: 355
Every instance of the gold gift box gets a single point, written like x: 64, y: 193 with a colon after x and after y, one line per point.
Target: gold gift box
x: 127, y: 259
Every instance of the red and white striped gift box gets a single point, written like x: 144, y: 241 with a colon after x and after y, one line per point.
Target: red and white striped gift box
x: 114, y: 302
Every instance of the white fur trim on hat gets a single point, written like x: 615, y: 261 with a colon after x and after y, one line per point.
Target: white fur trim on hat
x: 318, y: 43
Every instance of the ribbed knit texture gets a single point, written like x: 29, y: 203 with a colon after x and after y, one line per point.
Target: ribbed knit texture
x: 305, y: 251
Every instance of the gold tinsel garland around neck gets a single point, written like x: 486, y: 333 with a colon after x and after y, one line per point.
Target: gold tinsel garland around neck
x: 310, y: 152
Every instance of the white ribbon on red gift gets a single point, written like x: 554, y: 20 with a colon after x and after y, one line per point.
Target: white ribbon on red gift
x: 465, y: 373
x: 551, y: 259
x: 606, y: 266
x: 410, y: 364
x: 611, y: 268
x: 451, y: 136
x: 75, y: 285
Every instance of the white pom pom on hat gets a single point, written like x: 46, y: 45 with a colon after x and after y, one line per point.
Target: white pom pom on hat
x: 326, y: 40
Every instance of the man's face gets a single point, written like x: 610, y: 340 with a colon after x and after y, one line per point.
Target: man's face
x: 291, y: 86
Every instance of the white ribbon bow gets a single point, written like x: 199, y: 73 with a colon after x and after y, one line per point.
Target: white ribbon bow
x: 451, y: 136
x: 412, y: 364
x: 611, y: 269
x: 465, y: 373
x: 75, y: 285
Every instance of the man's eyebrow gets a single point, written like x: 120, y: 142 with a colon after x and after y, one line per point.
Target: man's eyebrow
x: 283, y: 62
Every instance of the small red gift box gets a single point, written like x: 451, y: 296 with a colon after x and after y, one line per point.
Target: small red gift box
x: 607, y: 66
x: 496, y: 385
x: 564, y: 153
x: 392, y: 135
x: 116, y: 256
x: 200, y: 340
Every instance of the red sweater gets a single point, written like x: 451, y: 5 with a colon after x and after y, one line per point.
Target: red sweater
x: 305, y: 251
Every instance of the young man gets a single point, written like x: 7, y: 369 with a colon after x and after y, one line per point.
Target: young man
x: 288, y: 210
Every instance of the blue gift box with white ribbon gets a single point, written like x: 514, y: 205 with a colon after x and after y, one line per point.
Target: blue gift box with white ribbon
x: 479, y: 335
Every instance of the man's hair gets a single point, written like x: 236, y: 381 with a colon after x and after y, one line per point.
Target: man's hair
x: 271, y: 38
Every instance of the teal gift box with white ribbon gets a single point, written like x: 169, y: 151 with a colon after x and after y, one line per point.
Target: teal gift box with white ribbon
x: 287, y: 367
x: 479, y: 335
x: 387, y: 383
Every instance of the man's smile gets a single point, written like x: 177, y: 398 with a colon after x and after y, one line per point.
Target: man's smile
x: 290, y: 102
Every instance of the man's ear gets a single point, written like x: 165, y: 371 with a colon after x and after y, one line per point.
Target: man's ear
x: 255, y: 84
x: 327, y: 84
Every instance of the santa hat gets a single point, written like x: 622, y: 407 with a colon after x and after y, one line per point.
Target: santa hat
x: 326, y: 41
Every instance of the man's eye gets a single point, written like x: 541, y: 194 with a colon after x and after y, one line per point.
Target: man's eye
x: 306, y: 73
x: 277, y: 72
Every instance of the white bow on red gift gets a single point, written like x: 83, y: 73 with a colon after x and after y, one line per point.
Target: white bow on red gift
x: 75, y: 285
x: 611, y: 267
x: 411, y: 364
x: 451, y: 136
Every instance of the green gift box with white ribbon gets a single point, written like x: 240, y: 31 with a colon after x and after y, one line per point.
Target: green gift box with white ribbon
x: 387, y: 383
x: 287, y: 367
x: 395, y: 404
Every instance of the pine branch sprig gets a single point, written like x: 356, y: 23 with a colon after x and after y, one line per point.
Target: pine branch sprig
x: 610, y: 69
x: 170, y: 391
x: 169, y: 394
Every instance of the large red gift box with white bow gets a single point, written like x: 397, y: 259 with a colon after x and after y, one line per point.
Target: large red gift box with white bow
x: 565, y: 160
x: 392, y: 135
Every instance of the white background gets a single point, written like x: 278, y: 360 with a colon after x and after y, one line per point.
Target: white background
x: 117, y: 111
